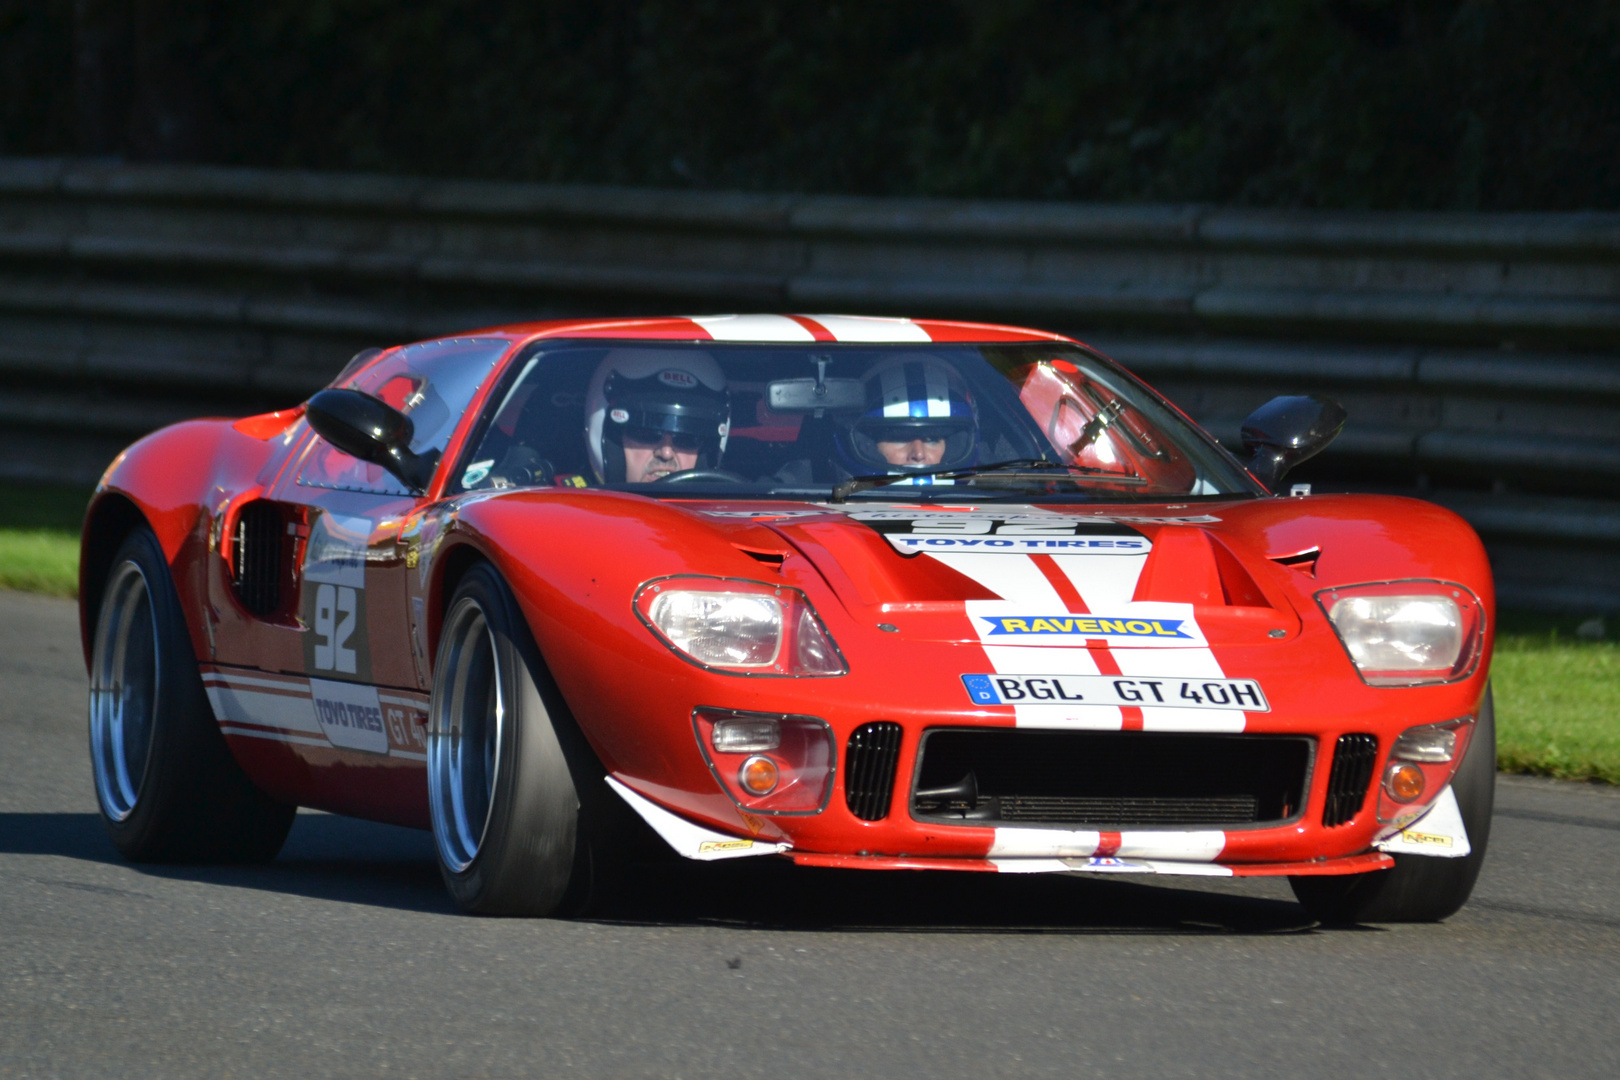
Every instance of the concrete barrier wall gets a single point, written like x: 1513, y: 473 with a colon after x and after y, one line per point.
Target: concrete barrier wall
x: 1479, y: 355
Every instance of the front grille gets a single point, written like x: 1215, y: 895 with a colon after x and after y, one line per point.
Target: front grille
x: 1209, y: 810
x: 1353, y: 759
x: 257, y: 557
x: 1111, y: 779
x: 869, y: 763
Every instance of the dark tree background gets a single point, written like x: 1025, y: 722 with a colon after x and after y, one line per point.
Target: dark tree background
x: 1491, y: 104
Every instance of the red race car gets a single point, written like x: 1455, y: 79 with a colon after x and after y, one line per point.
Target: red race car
x: 854, y: 592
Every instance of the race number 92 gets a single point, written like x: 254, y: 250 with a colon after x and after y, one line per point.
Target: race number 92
x: 335, y: 610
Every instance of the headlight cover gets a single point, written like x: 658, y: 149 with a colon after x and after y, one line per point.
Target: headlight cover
x: 1407, y: 633
x: 739, y: 627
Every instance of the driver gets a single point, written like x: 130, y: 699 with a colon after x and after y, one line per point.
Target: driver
x: 918, y: 416
x: 653, y: 413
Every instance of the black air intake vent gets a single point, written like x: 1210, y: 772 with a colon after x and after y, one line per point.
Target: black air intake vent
x: 869, y: 764
x: 256, y: 553
x: 1353, y: 759
x: 1110, y: 779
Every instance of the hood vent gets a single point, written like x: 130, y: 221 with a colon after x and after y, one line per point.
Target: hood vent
x: 1303, y: 561
x: 1189, y: 566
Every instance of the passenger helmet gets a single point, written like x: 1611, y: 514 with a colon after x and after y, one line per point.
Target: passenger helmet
x: 659, y: 390
x: 910, y: 397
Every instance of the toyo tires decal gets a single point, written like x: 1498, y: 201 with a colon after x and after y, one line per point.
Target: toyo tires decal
x: 299, y: 711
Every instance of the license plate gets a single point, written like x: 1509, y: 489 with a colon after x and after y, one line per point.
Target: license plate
x: 1157, y: 692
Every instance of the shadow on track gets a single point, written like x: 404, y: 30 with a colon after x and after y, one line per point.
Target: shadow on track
x: 342, y: 859
x: 325, y: 858
x: 768, y: 894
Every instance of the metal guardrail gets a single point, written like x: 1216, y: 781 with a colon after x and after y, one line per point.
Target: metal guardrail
x: 1479, y: 355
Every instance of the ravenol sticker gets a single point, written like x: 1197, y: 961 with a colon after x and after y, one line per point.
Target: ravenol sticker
x: 1087, y: 625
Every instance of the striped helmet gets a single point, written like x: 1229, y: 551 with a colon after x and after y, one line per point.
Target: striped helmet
x: 910, y: 398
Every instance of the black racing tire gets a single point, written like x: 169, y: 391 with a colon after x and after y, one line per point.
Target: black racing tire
x: 166, y: 783
x: 520, y: 810
x: 1420, y: 888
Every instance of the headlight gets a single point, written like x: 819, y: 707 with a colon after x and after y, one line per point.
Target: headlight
x: 726, y: 629
x: 740, y: 627
x: 1407, y: 633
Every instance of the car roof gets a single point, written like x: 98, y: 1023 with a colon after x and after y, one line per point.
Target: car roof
x: 775, y: 329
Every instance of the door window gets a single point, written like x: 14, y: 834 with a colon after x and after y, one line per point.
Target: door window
x: 432, y: 383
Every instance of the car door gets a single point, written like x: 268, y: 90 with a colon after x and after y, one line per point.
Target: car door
x: 350, y: 701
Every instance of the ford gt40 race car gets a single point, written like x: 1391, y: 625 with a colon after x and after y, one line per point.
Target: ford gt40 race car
x: 854, y: 592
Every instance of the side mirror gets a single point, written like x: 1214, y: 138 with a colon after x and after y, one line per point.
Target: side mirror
x: 371, y: 430
x: 1286, y: 431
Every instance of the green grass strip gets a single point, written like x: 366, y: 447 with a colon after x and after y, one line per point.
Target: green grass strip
x: 40, y: 561
x: 1557, y: 706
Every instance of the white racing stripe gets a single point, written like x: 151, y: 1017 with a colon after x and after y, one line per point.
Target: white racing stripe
x: 1109, y: 866
x: 871, y: 328
x: 1198, y: 846
x: 220, y: 678
x: 273, y: 736
x: 752, y: 328
x: 1024, y: 589
x: 1045, y: 843
x: 1105, y: 582
x: 263, y: 706
x: 282, y: 711
x: 1018, y: 581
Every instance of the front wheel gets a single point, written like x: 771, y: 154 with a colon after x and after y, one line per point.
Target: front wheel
x: 167, y: 785
x: 507, y: 766
x: 1420, y: 888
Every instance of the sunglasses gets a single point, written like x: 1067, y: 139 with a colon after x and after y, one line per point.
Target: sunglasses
x: 648, y: 438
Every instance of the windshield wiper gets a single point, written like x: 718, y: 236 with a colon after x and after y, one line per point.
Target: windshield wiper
x: 1037, y: 467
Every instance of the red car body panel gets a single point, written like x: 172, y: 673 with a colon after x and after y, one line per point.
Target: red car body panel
x: 575, y: 559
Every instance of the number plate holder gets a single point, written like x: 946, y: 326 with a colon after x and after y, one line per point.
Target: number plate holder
x: 1162, y: 692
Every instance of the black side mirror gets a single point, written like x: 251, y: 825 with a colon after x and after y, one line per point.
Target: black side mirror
x: 371, y: 430
x: 1286, y: 431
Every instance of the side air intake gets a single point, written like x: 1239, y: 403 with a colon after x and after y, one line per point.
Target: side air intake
x: 869, y: 763
x: 256, y: 557
x: 1353, y: 759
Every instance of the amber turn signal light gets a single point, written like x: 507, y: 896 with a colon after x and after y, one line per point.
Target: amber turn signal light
x: 1404, y: 782
x: 759, y: 775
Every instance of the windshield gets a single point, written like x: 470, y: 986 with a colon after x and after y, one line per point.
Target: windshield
x: 943, y: 422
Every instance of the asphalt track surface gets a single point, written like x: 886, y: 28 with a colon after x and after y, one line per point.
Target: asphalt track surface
x: 344, y: 957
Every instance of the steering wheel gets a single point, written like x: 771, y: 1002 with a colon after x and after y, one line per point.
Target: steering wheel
x: 698, y: 475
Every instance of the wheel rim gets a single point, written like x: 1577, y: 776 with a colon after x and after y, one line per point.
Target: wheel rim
x: 465, y: 737
x: 123, y: 691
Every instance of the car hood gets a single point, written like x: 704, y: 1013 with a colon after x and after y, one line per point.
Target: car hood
x: 1036, y: 575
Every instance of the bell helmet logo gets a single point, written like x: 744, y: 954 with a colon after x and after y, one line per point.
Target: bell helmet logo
x: 618, y: 416
x: 680, y: 380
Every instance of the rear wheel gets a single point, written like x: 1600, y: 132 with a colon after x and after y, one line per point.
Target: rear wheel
x: 1420, y: 888
x: 167, y: 785
x: 514, y: 790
